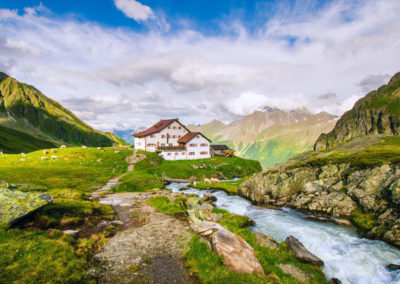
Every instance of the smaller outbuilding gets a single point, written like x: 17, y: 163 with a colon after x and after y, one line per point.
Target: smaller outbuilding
x: 221, y: 150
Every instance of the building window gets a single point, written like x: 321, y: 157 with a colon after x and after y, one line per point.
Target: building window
x: 152, y: 136
x: 150, y: 145
x: 176, y: 153
x: 179, y: 128
x: 179, y: 136
x: 163, y: 136
x: 203, y: 145
x: 192, y: 145
x: 170, y: 144
x: 183, y: 153
x: 203, y: 153
x: 191, y: 154
x: 174, y: 127
x: 173, y: 136
x: 169, y: 127
x: 198, y: 136
x: 139, y: 143
x: 168, y: 154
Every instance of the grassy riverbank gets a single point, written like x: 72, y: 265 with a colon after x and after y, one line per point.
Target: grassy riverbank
x: 148, y: 174
x: 207, y: 264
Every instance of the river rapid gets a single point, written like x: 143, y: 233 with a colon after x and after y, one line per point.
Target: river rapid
x: 347, y: 256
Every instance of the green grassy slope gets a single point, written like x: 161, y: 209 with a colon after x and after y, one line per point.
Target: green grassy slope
x: 25, y: 109
x: 13, y: 141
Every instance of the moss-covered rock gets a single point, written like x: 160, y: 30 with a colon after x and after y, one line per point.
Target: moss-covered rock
x: 15, y: 204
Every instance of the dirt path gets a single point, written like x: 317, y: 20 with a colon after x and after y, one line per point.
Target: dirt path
x: 151, y: 248
x: 131, y: 160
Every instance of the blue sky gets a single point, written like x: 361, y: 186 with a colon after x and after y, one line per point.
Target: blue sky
x: 127, y: 63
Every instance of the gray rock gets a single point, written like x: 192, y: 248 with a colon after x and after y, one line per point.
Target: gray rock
x: 394, y: 266
x: 209, y: 197
x: 335, y: 281
x: 302, y: 253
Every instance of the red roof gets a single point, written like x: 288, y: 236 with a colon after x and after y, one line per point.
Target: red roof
x: 189, y: 136
x: 156, y: 127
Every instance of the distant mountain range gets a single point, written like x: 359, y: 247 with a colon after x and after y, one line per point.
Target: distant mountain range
x: 270, y: 135
x: 29, y: 121
x: 126, y: 135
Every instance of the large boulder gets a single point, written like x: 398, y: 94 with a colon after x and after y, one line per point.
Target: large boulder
x: 15, y: 204
x: 238, y: 255
x: 302, y: 253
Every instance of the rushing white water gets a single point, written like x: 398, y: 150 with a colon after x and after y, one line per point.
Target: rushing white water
x: 346, y: 256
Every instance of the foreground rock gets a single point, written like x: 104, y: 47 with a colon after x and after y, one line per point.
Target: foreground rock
x: 238, y: 255
x: 15, y: 204
x: 302, y: 253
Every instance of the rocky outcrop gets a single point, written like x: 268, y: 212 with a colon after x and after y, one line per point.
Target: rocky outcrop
x: 302, y: 253
x: 333, y: 190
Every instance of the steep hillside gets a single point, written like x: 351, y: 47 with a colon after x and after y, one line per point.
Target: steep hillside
x: 25, y: 109
x: 376, y: 113
x: 270, y: 135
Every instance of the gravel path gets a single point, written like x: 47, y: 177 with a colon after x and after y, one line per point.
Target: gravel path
x: 151, y: 248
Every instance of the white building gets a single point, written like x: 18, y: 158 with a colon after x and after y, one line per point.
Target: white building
x: 173, y: 141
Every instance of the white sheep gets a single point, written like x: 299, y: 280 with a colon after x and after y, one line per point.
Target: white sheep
x: 99, y: 161
x: 215, y: 180
x: 116, y: 152
x: 54, y: 157
x: 208, y: 181
x: 84, y: 147
x: 22, y: 160
x: 23, y: 154
x: 54, y: 150
x: 45, y: 152
x: 194, y: 183
x: 44, y: 158
x: 63, y: 147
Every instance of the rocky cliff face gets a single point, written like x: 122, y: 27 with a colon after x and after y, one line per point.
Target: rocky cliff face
x: 377, y: 113
x: 337, y: 190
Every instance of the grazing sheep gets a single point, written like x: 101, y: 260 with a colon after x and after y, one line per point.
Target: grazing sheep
x: 22, y: 160
x: 84, y: 147
x: 45, y: 152
x: 194, y: 183
x: 44, y: 158
x: 23, y: 154
x: 215, y: 180
x: 54, y: 150
x: 54, y: 157
x: 206, y: 180
x: 116, y: 152
x: 99, y: 161
x: 63, y: 147
x: 98, y: 148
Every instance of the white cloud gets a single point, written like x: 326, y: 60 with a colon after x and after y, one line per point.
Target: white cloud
x: 112, y: 76
x: 134, y: 10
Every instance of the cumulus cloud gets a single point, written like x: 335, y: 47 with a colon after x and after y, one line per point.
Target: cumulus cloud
x: 134, y: 10
x: 113, y: 77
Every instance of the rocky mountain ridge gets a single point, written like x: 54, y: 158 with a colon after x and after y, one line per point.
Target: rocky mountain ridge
x: 376, y: 113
